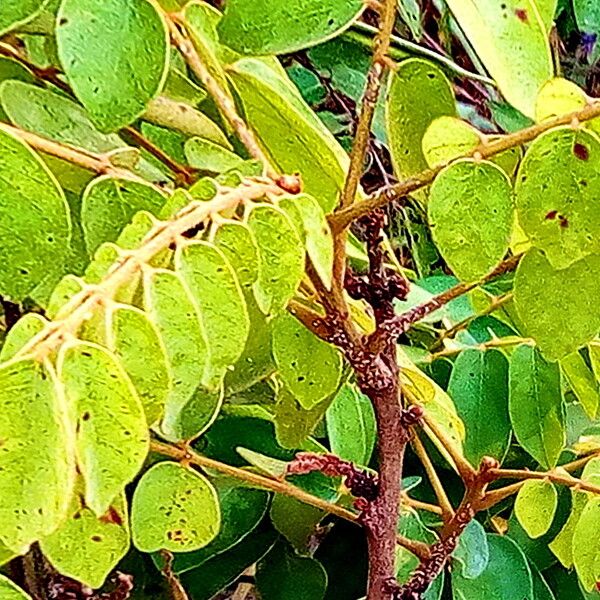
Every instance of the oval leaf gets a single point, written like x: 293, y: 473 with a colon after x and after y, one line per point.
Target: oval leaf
x: 174, y: 508
x: 265, y: 27
x: 536, y: 405
x: 217, y: 293
x: 479, y: 386
x: 35, y: 227
x: 310, y: 367
x: 37, y: 466
x: 86, y: 547
x: 281, y: 257
x: 112, y: 435
x: 471, y: 216
x: 535, y: 506
x: 115, y: 55
x: 556, y: 190
x: 586, y: 545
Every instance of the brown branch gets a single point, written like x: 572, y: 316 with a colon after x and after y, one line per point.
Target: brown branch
x: 402, y: 323
x: 185, y: 45
x: 436, y: 484
x: 279, y: 486
x: 485, y: 150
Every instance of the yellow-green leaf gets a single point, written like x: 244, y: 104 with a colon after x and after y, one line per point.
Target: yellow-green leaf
x: 174, y: 508
x: 535, y: 506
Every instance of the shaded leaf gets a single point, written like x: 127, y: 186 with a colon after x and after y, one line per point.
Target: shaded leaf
x: 18, y: 12
x: 536, y: 405
x: 472, y: 551
x: 479, y: 388
x: 581, y: 380
x: 208, y: 156
x: 351, y: 427
x: 295, y: 520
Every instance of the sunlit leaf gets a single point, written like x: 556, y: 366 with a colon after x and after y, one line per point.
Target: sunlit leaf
x: 112, y: 435
x: 535, y: 506
x: 18, y: 12
x: 10, y: 591
x: 586, y: 545
x: 174, y: 508
x: 115, y: 56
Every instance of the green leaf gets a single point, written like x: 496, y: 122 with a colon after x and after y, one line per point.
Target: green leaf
x: 558, y: 97
x: 112, y: 435
x: 351, y: 426
x: 87, y: 547
x: 293, y: 137
x: 471, y: 216
x: 310, y: 367
x: 447, y: 138
x: 264, y: 27
x: 54, y: 116
x: 24, y: 329
x: 511, y: 39
x: 236, y: 242
x: 174, y: 508
x: 136, y: 343
x: 581, y: 380
x: 18, y: 12
x: 309, y: 218
x: 217, y: 573
x: 115, y: 55
x: 535, y: 506
x: 410, y: 12
x: 10, y: 591
x: 587, y: 15
x: 418, y: 94
x: 281, y: 257
x: 295, y: 520
x: 293, y: 423
x: 282, y: 575
x: 65, y: 290
x: 241, y: 511
x: 556, y: 187
x: 562, y: 544
x: 35, y: 227
x: 536, y: 405
x: 479, y: 387
x: 109, y: 204
x: 208, y: 156
x: 176, y: 317
x: 216, y: 291
x: 558, y: 308
x: 37, y: 467
x: 506, y: 577
x: 472, y: 551
x: 586, y: 545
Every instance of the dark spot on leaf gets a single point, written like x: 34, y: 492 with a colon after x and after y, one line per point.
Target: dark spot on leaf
x: 522, y: 15
x: 564, y: 222
x: 112, y: 516
x: 580, y: 151
x: 63, y: 21
x: 551, y: 215
x: 85, y: 416
x: 96, y: 538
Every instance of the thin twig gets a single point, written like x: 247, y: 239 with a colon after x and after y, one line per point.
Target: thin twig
x: 223, y: 100
x: 436, y: 484
x: 279, y: 486
x: 402, y: 323
x: 485, y: 150
x: 161, y: 236
x: 398, y: 43
x: 554, y: 476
